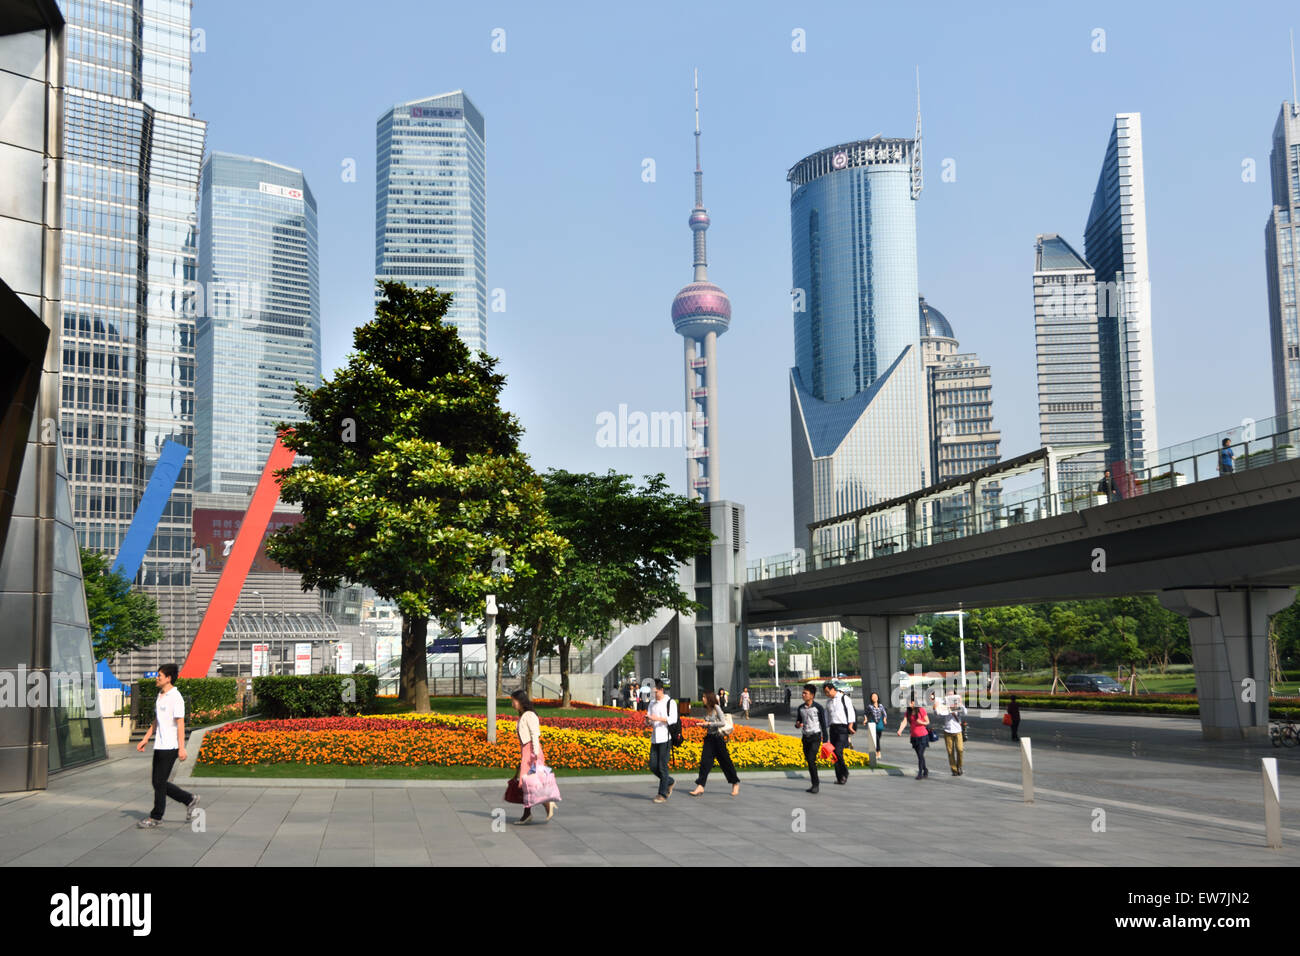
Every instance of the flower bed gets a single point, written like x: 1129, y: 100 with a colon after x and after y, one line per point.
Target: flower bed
x: 461, y: 740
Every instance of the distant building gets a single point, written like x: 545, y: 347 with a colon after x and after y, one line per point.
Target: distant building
x: 1115, y: 244
x: 260, y: 335
x: 959, y: 413
x: 1282, y: 262
x: 431, y: 205
x: 1070, y: 400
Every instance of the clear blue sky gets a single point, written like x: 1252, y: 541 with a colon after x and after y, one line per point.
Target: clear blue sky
x: 590, y: 256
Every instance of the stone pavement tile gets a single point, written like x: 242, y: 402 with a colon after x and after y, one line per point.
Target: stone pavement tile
x: 352, y: 856
x: 407, y: 857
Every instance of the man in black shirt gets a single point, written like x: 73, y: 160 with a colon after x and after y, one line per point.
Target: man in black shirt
x: 811, y: 719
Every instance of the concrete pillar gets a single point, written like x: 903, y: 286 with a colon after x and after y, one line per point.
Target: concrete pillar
x: 644, y: 668
x: 1229, y: 637
x: 692, y: 409
x: 714, y: 467
x: 878, y: 652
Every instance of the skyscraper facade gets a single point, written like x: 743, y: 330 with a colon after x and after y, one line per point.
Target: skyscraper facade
x: 1067, y: 346
x: 1115, y: 243
x: 857, y: 390
x: 1282, y: 262
x: 701, y: 312
x: 132, y: 156
x: 959, y: 392
x: 260, y: 334
x: 431, y: 205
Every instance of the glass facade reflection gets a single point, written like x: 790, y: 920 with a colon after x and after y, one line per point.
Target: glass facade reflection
x: 132, y: 156
x: 259, y: 333
x: 857, y: 397
x: 431, y: 205
x: 1282, y: 262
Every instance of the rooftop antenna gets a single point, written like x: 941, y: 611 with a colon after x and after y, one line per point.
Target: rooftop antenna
x: 916, y: 143
x: 1295, y: 107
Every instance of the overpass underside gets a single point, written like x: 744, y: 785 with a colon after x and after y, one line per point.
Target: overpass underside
x: 1225, y: 553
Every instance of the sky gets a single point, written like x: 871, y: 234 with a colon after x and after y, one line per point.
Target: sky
x: 1017, y: 105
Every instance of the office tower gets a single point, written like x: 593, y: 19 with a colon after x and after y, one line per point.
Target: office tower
x: 1070, y: 401
x: 959, y: 393
x: 1115, y: 243
x: 431, y: 205
x: 701, y: 312
x: 131, y: 179
x: 856, y: 390
x: 259, y: 269
x: 1282, y: 262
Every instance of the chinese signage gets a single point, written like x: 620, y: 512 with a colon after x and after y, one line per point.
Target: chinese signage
x: 435, y: 112
x: 260, y: 653
x: 302, y: 658
x: 215, y: 531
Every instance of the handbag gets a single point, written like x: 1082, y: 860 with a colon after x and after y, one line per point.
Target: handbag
x: 514, y: 792
x: 827, y: 752
x: 728, y: 725
x: 539, y: 784
x: 1006, y: 719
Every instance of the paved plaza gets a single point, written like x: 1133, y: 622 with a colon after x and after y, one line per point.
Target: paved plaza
x: 1168, y: 798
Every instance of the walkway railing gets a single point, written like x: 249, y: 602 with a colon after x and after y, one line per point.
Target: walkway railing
x: 1070, y: 480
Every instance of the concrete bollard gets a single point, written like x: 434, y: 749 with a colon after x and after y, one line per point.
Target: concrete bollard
x: 1027, y: 769
x: 1272, y: 804
x: 771, y: 722
x: 874, y: 746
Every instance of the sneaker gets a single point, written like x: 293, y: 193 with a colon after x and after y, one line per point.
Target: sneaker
x: 189, y: 807
x: 149, y: 823
x: 661, y: 800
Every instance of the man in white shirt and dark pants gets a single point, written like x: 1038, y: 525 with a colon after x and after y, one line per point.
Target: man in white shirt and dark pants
x: 661, y: 715
x: 169, y: 724
x: 953, y: 714
x: 840, y: 716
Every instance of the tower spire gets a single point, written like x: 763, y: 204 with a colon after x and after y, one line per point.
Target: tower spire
x: 1295, y: 107
x: 917, y: 178
x: 699, y: 220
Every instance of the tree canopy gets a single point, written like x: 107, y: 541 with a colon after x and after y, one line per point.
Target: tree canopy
x: 121, y: 619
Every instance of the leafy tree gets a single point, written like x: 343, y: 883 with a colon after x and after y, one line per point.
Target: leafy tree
x: 1002, y: 628
x: 625, y: 548
x: 121, y: 619
x: 415, y: 484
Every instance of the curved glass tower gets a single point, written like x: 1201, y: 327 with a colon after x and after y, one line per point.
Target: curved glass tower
x: 856, y: 389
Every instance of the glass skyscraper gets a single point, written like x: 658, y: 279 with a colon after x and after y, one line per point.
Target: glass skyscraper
x: 856, y: 391
x: 1115, y: 244
x: 431, y: 205
x: 131, y: 175
x: 260, y: 333
x: 1282, y: 262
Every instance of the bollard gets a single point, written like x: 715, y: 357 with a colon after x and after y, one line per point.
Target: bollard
x: 1027, y: 769
x: 871, y: 752
x: 1272, y: 804
x: 771, y: 722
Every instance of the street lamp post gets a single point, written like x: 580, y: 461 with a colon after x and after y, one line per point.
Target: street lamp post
x: 239, y: 651
x: 490, y: 668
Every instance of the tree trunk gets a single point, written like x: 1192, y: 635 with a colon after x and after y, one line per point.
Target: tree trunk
x: 415, y: 672
x: 1055, y: 672
x: 564, y: 672
x: 532, y: 658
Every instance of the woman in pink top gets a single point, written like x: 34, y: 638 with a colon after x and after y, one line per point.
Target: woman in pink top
x: 919, y: 724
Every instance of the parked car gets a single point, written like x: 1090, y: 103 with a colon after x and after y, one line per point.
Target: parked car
x: 1093, y: 684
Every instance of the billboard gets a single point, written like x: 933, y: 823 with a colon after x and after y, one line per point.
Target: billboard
x: 302, y: 659
x: 260, y: 654
x: 214, y: 536
x: 343, y: 659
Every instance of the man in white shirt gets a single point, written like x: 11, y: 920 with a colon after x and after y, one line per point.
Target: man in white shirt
x: 169, y: 724
x: 661, y: 715
x: 840, y: 716
x: 952, y: 732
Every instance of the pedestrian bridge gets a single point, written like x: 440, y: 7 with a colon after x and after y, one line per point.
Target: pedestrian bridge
x: 1223, y: 550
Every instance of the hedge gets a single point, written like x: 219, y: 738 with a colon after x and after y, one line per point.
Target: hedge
x: 316, y: 695
x: 200, y: 693
x: 1278, y: 707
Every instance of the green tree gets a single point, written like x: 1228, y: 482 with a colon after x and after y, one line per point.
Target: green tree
x: 121, y: 619
x: 625, y: 548
x: 415, y: 484
x: 1002, y: 628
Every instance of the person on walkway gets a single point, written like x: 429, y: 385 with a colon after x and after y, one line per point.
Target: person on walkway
x: 645, y: 696
x: 745, y: 702
x: 1108, y: 487
x: 811, y: 719
x: 169, y: 746
x: 715, y: 746
x: 1013, y: 711
x: 1225, y: 457
x: 876, y: 713
x: 918, y: 723
x: 661, y: 714
x: 787, y: 696
x: 952, y: 733
x: 839, y: 712
x: 530, y: 755
x: 722, y: 697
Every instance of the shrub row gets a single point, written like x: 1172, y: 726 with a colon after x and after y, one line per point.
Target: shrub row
x: 202, y: 694
x: 316, y: 695
x: 1278, y: 707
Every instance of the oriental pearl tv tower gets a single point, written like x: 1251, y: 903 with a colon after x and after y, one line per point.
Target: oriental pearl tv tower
x: 701, y: 312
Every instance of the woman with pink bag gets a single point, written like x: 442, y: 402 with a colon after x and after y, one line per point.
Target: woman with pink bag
x: 536, y: 780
